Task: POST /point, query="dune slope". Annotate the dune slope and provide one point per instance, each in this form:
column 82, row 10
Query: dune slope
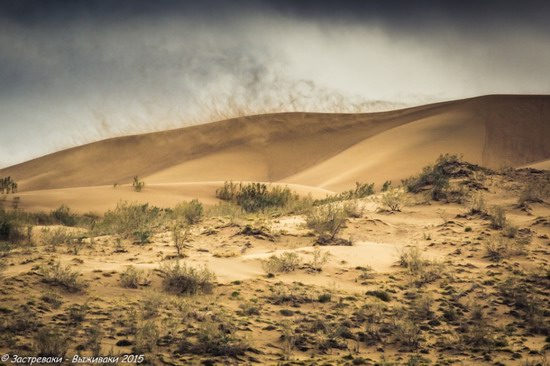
column 329, row 151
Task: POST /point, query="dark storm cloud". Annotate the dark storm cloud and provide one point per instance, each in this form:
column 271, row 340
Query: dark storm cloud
column 75, row 71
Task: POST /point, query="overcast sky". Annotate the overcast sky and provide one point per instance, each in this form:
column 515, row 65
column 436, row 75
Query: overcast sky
column 77, row 71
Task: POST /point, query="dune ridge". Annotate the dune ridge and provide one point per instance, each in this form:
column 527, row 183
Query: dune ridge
column 320, row 150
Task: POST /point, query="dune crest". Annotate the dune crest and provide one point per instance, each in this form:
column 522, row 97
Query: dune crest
column 320, row 150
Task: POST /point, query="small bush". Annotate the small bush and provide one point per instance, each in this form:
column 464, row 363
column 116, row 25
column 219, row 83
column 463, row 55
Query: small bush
column 497, row 217
column 189, row 212
column 138, row 184
column 285, row 262
column 380, row 294
column 319, row 259
column 219, row 338
column 251, row 307
column 534, row 192
column 393, row 200
column 254, row 197
column 57, row 275
column 326, row 221
column 180, row 235
column 63, row 216
column 50, row 343
column 146, row 338
column 422, row 271
column 182, row 279
column 477, row 204
column 361, row 190
column 55, row 237
column 130, row 220
column 133, row 277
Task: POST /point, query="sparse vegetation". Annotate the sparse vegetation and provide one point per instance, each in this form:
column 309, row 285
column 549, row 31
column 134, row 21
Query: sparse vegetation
column 130, row 220
column 497, row 217
column 254, row 197
column 133, row 277
column 138, row 184
column 189, row 212
column 59, row 275
column 326, row 221
column 393, row 200
column 284, row 262
column 181, row 279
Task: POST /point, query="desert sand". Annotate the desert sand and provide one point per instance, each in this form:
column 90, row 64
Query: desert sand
column 462, row 278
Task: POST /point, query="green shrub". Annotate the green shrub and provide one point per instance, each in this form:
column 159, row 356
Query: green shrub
column 138, row 184
column 62, row 216
column 534, row 192
column 497, row 217
column 180, row 235
column 218, row 338
column 57, row 275
column 477, row 204
column 146, row 338
column 189, row 212
column 326, row 221
column 182, row 279
column 133, row 277
column 50, row 343
column 421, row 271
column 380, row 294
column 254, row 197
column 285, row 262
column 361, row 190
column 435, row 177
column 393, row 200
column 130, row 220
column 55, row 237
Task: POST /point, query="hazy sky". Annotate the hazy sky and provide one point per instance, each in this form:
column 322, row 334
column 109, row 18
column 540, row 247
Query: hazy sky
column 76, row 71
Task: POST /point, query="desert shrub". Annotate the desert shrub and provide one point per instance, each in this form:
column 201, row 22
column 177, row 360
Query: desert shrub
column 7, row 186
column 533, row 192
column 319, row 259
column 218, row 337
column 294, row 293
column 138, row 184
column 180, row 235
column 510, row 231
column 407, row 333
column 352, row 208
column 189, row 212
column 146, row 337
column 421, row 307
column 477, row 204
column 361, row 190
column 15, row 227
column 254, row 197
column 228, row 191
column 326, row 221
column 386, row 186
column 62, row 216
column 497, row 217
column 133, row 277
column 179, row 278
column 436, row 177
column 421, row 270
column 393, row 200
column 285, row 262
column 50, row 343
column 55, row 237
column 58, row 275
column 52, row 298
column 77, row 313
column 380, row 294
column 250, row 307
column 130, row 220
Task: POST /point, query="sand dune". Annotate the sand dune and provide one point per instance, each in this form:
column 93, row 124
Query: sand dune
column 319, row 150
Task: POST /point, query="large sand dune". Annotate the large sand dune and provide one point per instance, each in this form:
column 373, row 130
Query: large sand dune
column 317, row 150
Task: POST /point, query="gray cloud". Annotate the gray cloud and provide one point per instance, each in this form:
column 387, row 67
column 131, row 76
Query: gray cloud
column 72, row 72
